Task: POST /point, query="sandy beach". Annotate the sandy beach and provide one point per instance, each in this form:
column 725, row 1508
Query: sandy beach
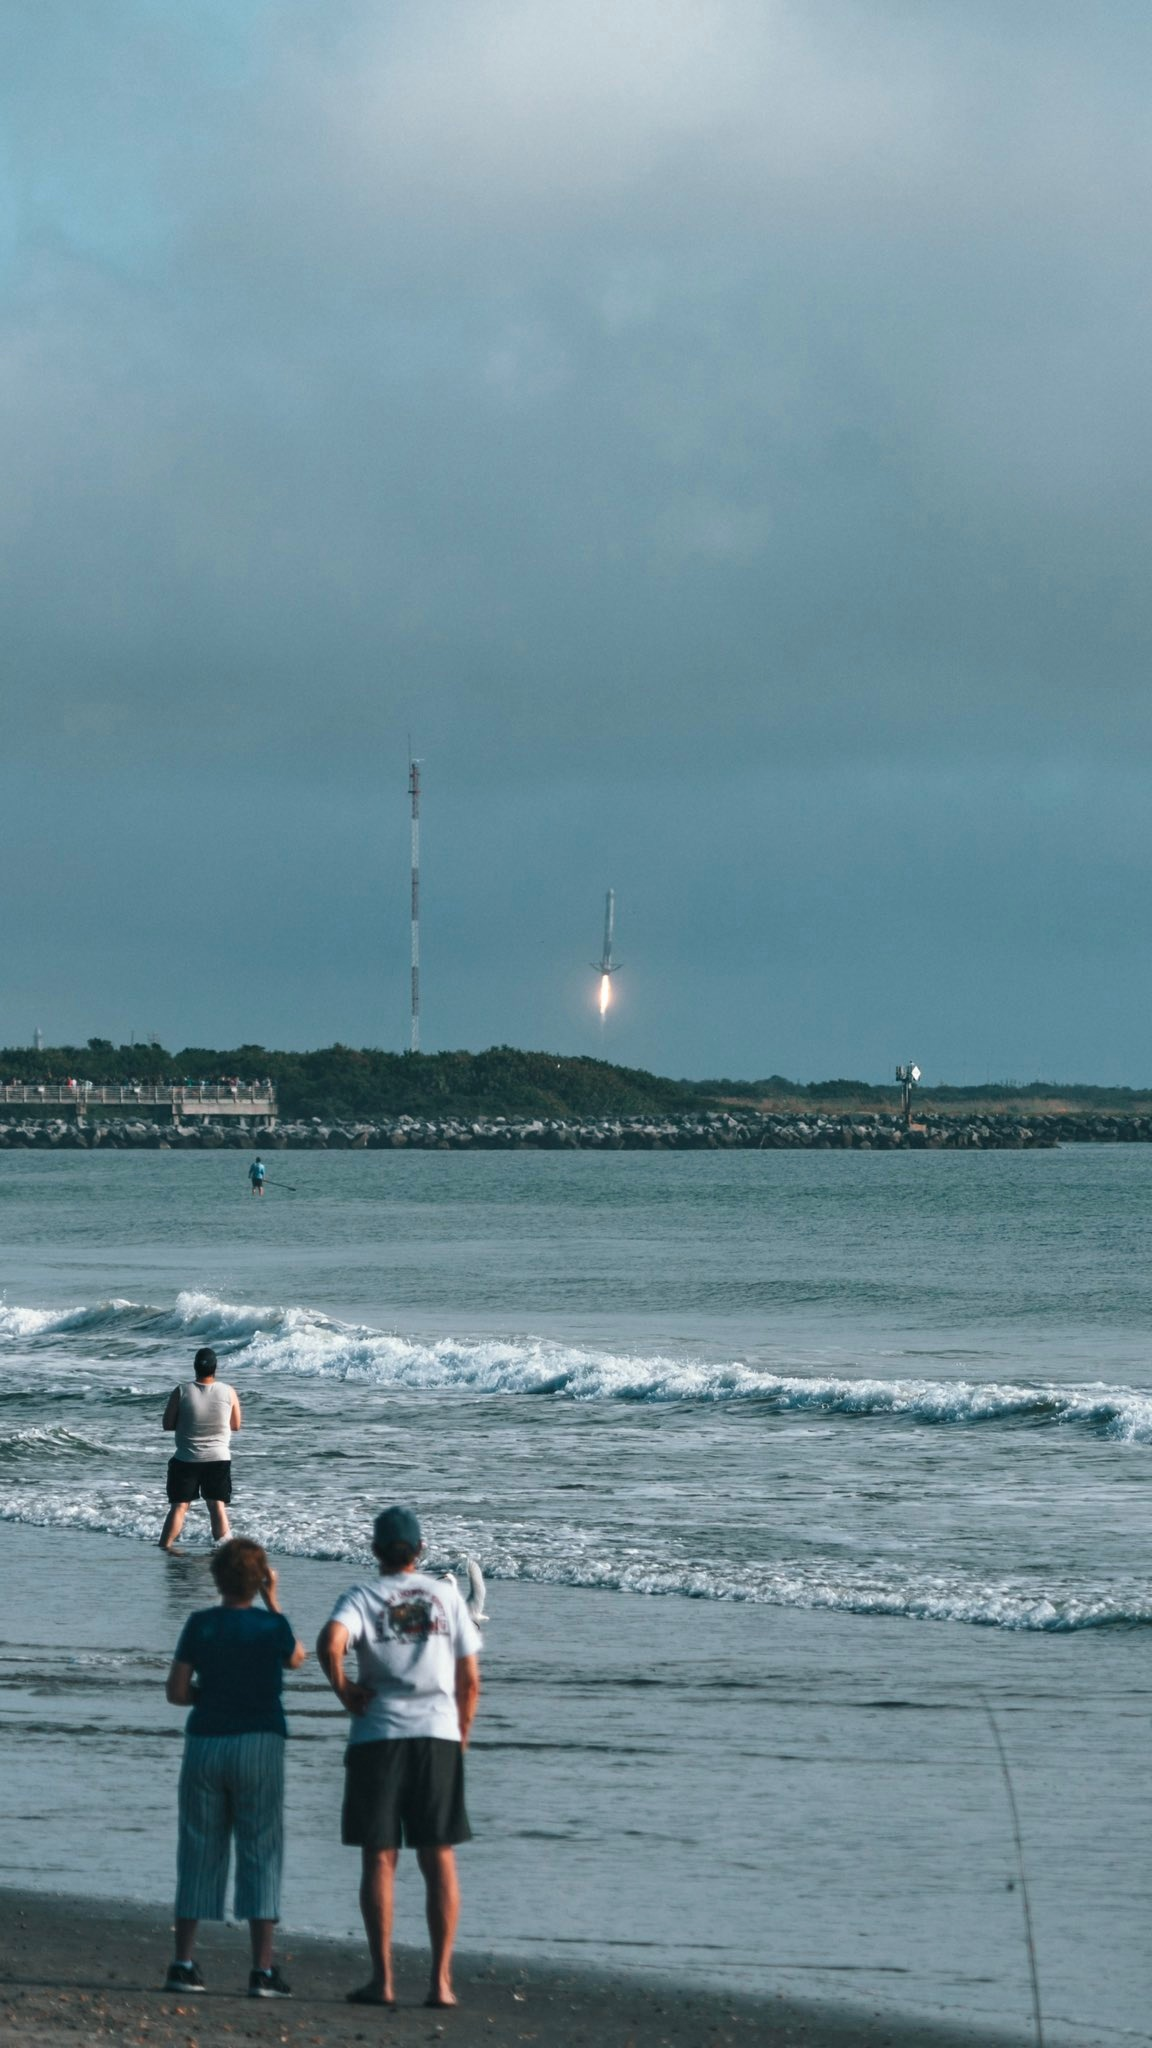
column 846, row 1854
column 73, row 1969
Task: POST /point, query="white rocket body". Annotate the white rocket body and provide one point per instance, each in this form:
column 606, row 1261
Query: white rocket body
column 606, row 964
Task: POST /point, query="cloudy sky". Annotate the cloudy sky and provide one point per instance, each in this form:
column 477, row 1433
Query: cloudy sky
column 717, row 430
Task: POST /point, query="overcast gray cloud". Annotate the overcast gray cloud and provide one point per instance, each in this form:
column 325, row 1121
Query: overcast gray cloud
column 717, row 430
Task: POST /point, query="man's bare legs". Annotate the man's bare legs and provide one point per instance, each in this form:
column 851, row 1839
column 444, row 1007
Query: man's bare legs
column 443, row 1908
column 377, row 1894
column 176, row 1517
column 173, row 1523
column 377, row 1889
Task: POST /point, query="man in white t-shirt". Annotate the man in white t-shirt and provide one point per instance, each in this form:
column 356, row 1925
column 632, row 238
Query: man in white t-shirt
column 412, row 1706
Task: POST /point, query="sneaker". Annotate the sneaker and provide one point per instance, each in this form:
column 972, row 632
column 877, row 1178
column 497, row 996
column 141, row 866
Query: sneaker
column 267, row 1984
column 183, row 1977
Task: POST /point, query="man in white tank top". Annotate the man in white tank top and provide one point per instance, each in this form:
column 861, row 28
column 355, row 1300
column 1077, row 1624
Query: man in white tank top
column 203, row 1413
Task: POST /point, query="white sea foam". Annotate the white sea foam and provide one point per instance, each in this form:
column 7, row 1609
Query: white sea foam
column 32, row 1322
column 301, row 1342
column 192, row 1315
column 534, row 1557
column 53, row 1354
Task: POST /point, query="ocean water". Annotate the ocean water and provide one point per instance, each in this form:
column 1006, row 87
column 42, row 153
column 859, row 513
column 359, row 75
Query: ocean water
column 916, row 1386
column 781, row 1466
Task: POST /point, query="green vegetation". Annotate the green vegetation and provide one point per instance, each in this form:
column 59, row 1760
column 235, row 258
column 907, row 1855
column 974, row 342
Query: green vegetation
column 778, row 1093
column 338, row 1082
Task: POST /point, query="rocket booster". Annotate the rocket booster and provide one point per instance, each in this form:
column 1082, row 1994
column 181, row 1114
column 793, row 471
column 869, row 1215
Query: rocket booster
column 606, row 964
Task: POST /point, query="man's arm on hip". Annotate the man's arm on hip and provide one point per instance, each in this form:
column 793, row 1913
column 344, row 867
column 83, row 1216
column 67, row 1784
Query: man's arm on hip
column 331, row 1650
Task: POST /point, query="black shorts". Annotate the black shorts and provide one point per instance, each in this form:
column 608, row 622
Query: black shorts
column 199, row 1482
column 404, row 1793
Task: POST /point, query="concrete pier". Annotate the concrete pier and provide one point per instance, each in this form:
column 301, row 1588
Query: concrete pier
column 88, row 1100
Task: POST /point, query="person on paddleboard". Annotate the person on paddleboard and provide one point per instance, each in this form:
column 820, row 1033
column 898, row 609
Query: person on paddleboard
column 256, row 1176
column 203, row 1413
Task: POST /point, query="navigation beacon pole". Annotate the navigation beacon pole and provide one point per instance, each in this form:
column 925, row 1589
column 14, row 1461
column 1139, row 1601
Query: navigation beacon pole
column 907, row 1075
column 414, row 793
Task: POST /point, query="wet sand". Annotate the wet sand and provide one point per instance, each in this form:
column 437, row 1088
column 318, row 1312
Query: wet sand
column 72, row 1968
column 736, row 1800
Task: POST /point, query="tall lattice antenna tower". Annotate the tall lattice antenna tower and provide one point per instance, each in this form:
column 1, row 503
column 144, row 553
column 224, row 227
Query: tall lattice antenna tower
column 414, row 793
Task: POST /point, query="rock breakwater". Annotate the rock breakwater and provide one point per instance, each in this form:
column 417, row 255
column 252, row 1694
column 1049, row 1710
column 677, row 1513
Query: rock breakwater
column 713, row 1131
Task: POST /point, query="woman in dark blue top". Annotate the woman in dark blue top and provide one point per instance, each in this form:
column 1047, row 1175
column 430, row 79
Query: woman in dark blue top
column 229, row 1667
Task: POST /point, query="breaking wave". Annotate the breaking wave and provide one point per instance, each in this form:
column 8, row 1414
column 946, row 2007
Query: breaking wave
column 55, row 1472
column 302, row 1343
column 38, row 1442
column 533, row 1557
column 192, row 1315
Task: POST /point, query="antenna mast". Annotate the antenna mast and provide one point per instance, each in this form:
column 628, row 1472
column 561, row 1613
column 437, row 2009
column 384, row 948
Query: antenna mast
column 414, row 793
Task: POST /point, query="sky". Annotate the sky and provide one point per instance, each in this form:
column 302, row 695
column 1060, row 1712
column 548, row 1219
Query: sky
column 715, row 432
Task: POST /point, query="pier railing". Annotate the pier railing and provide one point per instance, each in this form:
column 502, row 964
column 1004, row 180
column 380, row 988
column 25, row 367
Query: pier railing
column 255, row 1100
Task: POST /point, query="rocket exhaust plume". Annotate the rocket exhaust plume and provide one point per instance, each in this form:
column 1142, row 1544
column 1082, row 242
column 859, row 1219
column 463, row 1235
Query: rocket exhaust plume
column 606, row 965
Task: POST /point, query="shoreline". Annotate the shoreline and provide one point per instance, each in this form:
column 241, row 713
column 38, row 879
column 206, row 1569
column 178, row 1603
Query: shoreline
column 70, row 1964
column 843, row 1859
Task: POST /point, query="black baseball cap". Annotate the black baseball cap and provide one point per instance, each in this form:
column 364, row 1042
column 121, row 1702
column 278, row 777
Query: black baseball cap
column 396, row 1525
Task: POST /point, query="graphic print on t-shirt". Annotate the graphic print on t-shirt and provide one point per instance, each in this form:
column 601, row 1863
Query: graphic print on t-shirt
column 408, row 1631
column 411, row 1621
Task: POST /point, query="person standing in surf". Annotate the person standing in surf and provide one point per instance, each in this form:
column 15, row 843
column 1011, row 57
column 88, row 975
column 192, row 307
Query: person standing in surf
column 203, row 1413
column 256, row 1176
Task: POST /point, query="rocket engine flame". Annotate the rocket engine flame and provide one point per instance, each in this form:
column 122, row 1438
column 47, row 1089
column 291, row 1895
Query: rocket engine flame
column 606, row 964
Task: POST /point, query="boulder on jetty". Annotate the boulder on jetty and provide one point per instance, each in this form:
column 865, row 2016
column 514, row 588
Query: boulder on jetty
column 692, row 1131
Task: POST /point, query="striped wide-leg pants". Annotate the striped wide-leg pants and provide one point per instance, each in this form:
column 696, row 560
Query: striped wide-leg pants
column 230, row 1785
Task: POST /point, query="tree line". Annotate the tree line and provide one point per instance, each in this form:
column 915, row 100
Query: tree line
column 339, row 1081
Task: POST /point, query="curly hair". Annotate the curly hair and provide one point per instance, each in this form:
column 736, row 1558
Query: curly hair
column 240, row 1568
